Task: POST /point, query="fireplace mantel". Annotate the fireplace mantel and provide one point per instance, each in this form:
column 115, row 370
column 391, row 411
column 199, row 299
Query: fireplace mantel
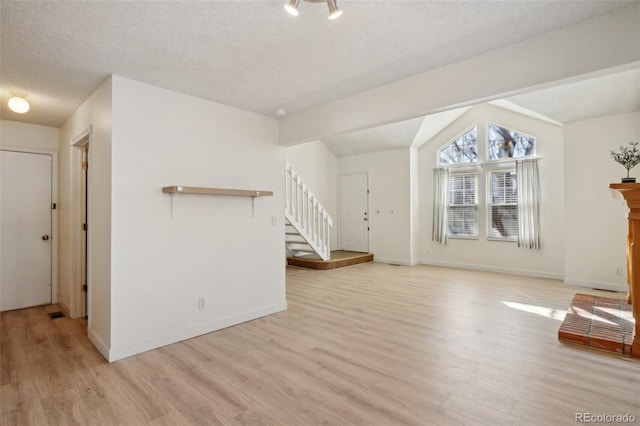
column 631, row 194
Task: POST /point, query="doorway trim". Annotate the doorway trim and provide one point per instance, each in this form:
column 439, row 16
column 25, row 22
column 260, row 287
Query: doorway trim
column 339, row 233
column 54, row 212
column 77, row 307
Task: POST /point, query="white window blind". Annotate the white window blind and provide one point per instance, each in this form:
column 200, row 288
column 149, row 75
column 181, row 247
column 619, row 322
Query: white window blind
column 463, row 205
column 502, row 201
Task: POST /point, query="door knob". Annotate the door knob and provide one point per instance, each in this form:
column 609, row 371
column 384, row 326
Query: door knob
column 45, row 237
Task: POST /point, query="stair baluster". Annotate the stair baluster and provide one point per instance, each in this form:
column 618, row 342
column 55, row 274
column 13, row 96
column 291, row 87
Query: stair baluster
column 307, row 216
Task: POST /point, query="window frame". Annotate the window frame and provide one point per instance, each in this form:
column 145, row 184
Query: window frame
column 489, row 204
column 475, row 236
column 455, row 138
column 507, row 159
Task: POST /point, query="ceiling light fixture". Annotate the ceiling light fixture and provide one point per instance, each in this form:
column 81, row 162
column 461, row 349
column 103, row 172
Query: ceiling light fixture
column 280, row 112
column 292, row 7
column 19, row 104
column 334, row 10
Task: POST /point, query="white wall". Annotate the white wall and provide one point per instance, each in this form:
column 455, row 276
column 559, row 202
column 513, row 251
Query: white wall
column 96, row 111
column 389, row 202
column 212, row 247
column 414, row 207
column 499, row 255
column 17, row 135
column 595, row 216
column 318, row 167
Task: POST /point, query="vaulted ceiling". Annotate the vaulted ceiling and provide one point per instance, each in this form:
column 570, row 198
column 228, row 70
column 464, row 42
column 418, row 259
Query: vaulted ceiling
column 610, row 94
column 251, row 54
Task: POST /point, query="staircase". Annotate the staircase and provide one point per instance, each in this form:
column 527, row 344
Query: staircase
column 308, row 226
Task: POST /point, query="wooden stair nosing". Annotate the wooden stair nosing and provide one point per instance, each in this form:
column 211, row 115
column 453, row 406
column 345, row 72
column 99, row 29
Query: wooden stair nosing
column 308, row 251
column 320, row 264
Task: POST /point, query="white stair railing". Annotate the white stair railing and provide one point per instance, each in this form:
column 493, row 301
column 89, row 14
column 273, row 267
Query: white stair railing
column 306, row 214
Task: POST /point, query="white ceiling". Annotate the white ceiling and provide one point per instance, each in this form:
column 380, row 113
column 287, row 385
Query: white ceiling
column 251, row 54
column 403, row 134
column 611, row 94
column 390, row 136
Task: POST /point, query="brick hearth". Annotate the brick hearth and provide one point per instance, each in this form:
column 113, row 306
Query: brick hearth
column 598, row 322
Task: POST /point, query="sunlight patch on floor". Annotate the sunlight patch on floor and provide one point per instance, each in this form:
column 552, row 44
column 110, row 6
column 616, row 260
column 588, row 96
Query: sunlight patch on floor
column 556, row 314
column 590, row 315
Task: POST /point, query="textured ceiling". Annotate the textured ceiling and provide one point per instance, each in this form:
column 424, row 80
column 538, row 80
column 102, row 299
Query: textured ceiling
column 251, row 54
column 611, row 94
column 390, row 136
column 403, row 134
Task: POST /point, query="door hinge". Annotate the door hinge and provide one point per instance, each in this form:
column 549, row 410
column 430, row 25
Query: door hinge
column 368, row 229
column 85, row 165
column 53, row 206
column 84, row 287
column 84, row 226
column 367, row 191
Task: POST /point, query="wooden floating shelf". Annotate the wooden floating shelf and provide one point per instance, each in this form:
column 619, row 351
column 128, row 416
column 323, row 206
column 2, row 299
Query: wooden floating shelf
column 215, row 191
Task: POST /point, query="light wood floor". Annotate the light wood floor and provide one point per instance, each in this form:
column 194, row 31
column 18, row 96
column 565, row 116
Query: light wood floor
column 371, row 344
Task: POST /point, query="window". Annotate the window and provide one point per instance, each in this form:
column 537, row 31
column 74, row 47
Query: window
column 507, row 143
column 461, row 150
column 463, row 205
column 483, row 182
column 502, row 202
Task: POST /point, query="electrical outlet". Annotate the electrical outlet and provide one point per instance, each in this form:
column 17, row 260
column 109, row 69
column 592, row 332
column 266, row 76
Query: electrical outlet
column 617, row 271
column 273, row 220
column 202, row 302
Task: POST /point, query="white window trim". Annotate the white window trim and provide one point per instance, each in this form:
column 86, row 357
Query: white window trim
column 463, row 237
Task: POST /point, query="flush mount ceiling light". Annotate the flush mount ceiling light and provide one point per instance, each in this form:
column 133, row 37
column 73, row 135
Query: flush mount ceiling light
column 19, row 104
column 334, row 11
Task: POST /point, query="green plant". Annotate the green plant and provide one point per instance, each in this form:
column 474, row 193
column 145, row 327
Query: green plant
column 628, row 156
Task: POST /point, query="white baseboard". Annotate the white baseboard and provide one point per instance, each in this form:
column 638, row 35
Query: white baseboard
column 489, row 268
column 123, row 352
column 64, row 305
column 598, row 285
column 99, row 344
column 395, row 261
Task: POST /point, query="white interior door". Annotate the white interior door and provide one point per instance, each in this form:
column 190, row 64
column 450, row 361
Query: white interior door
column 25, row 230
column 354, row 212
